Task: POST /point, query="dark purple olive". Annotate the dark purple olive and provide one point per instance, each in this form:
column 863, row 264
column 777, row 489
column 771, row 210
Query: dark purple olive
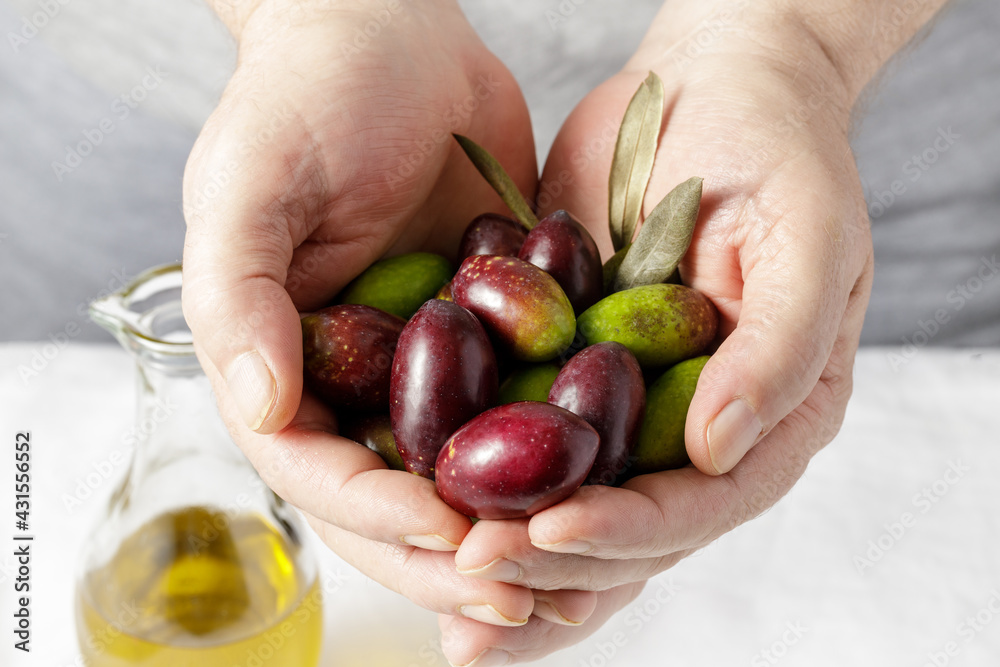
column 347, row 352
column 563, row 248
column 522, row 306
column 492, row 234
column 603, row 384
column 515, row 460
column 444, row 374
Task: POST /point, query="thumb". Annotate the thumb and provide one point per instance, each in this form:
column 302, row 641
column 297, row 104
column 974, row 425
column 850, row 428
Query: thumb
column 243, row 321
column 793, row 306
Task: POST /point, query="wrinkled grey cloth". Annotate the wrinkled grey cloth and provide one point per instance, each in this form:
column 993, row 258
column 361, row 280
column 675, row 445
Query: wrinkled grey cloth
column 136, row 78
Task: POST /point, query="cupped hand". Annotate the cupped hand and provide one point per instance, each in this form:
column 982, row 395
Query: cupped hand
column 782, row 248
column 327, row 151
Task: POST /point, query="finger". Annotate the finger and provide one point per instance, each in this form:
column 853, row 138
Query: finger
column 429, row 579
column 678, row 510
column 502, row 551
column 651, row 517
column 564, row 607
column 472, row 644
column 798, row 276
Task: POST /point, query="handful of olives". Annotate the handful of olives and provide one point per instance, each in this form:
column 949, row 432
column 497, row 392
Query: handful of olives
column 523, row 374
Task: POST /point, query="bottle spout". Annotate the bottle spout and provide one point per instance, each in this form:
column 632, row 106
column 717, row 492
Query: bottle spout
column 113, row 315
column 145, row 315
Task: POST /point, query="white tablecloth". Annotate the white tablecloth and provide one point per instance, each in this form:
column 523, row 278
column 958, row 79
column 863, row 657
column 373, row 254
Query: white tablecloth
column 830, row 576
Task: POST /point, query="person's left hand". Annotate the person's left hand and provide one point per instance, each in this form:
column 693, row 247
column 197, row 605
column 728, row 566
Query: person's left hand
column 783, row 249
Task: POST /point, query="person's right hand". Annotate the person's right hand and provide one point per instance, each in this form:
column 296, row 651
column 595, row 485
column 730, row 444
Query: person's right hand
column 328, row 150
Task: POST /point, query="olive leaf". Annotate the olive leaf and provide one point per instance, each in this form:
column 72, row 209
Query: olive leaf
column 635, row 150
column 614, row 263
column 663, row 239
column 498, row 179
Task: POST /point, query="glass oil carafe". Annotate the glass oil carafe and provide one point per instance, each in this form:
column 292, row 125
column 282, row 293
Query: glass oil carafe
column 195, row 562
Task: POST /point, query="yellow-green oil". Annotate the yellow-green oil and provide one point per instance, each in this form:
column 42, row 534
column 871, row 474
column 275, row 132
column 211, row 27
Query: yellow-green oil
column 199, row 588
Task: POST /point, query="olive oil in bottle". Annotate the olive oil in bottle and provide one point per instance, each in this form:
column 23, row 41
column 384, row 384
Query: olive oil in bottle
column 181, row 591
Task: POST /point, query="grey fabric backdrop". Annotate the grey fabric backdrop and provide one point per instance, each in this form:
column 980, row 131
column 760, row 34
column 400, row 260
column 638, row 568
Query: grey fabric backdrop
column 66, row 237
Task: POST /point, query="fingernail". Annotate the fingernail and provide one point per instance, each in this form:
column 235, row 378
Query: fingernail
column 731, row 435
column 549, row 612
column 429, row 542
column 567, row 547
column 500, row 569
column 253, row 388
column 491, row 657
column 486, row 613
